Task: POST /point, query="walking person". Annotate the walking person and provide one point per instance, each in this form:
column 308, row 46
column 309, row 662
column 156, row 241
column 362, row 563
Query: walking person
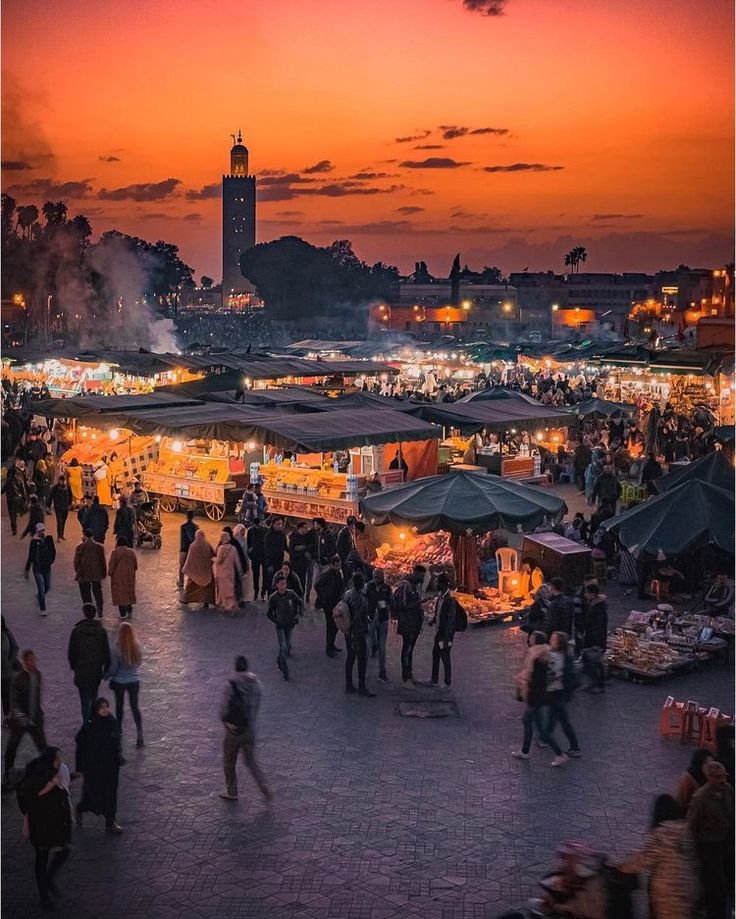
column 561, row 682
column 239, row 714
column 711, row 820
column 89, row 657
column 16, row 493
column 692, row 779
column 356, row 637
column 199, row 586
column 445, row 611
column 329, row 588
column 74, row 477
column 240, row 541
column 124, row 526
column 300, row 556
column 409, row 618
column 531, row 684
column 98, row 759
column 41, row 556
column 255, row 540
column 44, row 801
column 26, row 713
column 596, row 636
column 274, row 549
column 123, row 676
column 284, row 609
column 187, row 532
column 226, row 569
column 293, row 582
column 36, row 515
column 60, row 498
column 97, row 520
column 380, row 600
column 122, row 567
column 10, row 664
column 90, row 569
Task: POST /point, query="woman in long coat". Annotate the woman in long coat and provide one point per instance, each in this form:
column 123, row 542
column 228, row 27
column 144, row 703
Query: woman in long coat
column 226, row 568
column 98, row 758
column 200, row 582
column 74, row 477
column 122, row 567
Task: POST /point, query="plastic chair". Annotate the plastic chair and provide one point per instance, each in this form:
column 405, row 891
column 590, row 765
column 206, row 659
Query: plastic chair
column 693, row 723
column 671, row 718
column 507, row 559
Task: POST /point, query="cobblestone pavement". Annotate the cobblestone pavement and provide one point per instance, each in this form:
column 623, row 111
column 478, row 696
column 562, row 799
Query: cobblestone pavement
column 376, row 816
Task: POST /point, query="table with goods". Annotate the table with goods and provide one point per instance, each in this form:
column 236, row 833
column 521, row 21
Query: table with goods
column 298, row 490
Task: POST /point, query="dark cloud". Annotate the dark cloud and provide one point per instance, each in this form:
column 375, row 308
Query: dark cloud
column 411, row 138
column 499, row 131
column 320, row 167
column 24, row 134
column 155, row 215
column 434, row 162
column 486, row 7
column 409, row 209
column 192, row 217
column 15, row 165
column 617, row 216
column 430, row 147
column 338, row 189
column 287, row 189
column 279, row 177
column 375, row 228
column 143, row 191
column 289, row 213
column 367, row 175
column 204, row 193
column 523, row 167
column 421, row 191
column 49, row 188
column 452, row 131
column 109, row 159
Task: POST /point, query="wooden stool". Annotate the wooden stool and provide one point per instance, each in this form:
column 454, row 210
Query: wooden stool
column 670, row 718
column 693, row 723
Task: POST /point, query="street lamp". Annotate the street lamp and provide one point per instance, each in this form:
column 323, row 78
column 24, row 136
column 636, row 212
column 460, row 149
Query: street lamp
column 553, row 309
column 577, row 319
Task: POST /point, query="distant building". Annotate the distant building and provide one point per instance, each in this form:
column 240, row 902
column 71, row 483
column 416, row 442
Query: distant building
column 238, row 224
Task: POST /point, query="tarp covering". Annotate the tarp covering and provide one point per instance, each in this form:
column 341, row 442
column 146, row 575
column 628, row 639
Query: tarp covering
column 601, row 407
column 461, row 501
column 498, row 392
column 494, row 415
column 714, row 468
column 691, row 516
column 82, row 406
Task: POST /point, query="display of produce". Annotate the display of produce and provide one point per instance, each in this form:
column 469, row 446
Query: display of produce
column 432, row 550
column 180, row 465
column 489, row 605
column 641, row 657
column 325, row 483
column 93, row 444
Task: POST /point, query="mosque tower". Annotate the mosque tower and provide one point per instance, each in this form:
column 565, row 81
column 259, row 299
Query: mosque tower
column 238, row 220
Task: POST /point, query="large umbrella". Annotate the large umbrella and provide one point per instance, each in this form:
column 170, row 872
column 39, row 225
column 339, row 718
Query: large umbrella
column 690, row 516
column 602, row 408
column 460, row 501
column 714, row 468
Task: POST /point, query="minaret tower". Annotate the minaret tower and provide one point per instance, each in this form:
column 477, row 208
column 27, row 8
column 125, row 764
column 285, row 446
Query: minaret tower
column 238, row 219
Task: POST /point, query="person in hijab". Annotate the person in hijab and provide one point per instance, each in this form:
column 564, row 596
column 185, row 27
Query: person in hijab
column 43, row 798
column 98, row 758
column 199, row 586
column 74, row 477
column 240, row 544
column 226, row 567
column 692, row 778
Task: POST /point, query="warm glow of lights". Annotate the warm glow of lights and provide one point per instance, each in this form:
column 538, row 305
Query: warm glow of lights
column 402, row 536
column 157, row 438
column 555, row 307
column 114, row 434
column 176, row 446
column 507, row 307
column 540, row 437
column 251, row 446
column 466, row 304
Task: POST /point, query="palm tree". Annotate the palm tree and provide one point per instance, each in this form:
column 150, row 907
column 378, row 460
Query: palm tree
column 582, row 255
column 54, row 213
column 27, row 216
column 570, row 259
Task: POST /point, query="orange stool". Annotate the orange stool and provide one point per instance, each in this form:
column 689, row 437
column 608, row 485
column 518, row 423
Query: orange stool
column 693, row 723
column 670, row 718
column 714, row 719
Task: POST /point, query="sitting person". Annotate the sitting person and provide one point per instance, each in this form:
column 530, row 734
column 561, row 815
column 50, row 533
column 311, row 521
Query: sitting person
column 577, row 529
column 667, row 575
column 718, row 600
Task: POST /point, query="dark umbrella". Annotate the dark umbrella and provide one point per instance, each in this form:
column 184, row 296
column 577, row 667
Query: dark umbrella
column 460, row 501
column 690, row 516
column 714, row 468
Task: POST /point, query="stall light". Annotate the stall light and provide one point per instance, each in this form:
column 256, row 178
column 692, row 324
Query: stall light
column 84, row 434
column 402, row 536
column 555, row 439
column 157, row 438
column 176, row 446
column 466, row 304
column 246, row 381
column 513, row 430
column 540, row 437
column 514, row 582
column 251, row 446
column 94, row 437
column 114, row 434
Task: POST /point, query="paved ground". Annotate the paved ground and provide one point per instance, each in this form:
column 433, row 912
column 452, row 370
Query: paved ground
column 376, row 816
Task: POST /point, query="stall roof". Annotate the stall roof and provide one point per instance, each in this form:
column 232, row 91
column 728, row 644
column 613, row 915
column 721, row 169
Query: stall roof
column 81, row 406
column 498, row 392
column 494, row 415
column 602, row 407
column 714, row 468
column 308, row 433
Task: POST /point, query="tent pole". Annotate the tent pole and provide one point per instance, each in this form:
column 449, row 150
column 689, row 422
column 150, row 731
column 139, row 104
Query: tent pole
column 401, row 458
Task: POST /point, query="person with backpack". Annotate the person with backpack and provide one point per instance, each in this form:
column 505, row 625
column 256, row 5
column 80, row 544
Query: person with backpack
column 445, row 610
column 329, row 588
column 239, row 714
column 26, row 713
column 284, row 609
column 41, row 556
column 10, row 664
column 89, row 657
column 409, row 617
column 355, row 637
column 43, row 799
column 561, row 683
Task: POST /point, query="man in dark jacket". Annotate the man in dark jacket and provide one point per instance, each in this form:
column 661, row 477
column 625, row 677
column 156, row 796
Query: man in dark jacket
column 90, row 570
column 274, row 548
column 356, row 637
column 324, row 543
column 607, row 488
column 300, row 553
column 36, row 515
column 284, row 609
column 255, row 540
column 41, row 556
column 558, row 617
column 60, row 498
column 89, row 658
column 97, row 520
column 124, row 527
column 346, row 540
column 186, row 538
column 596, row 636
column 380, row 600
column 444, row 617
column 16, row 493
column 26, row 713
column 410, row 617
column 581, row 461
column 329, row 587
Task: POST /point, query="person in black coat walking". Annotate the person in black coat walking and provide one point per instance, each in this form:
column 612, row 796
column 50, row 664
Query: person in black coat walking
column 16, row 493
column 41, row 556
column 329, row 587
column 284, row 609
column 445, row 611
column 98, row 758
column 254, row 540
column 559, row 614
column 97, row 520
column 596, row 637
column 410, row 617
column 89, row 657
column 60, row 498
column 300, row 554
column 124, row 527
column 26, row 713
column 356, row 637
column 36, row 515
column 274, row 549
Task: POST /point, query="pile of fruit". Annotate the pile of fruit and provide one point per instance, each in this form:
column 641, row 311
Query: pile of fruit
column 433, row 551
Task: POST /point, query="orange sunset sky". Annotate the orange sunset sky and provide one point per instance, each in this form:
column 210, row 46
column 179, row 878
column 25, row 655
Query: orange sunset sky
column 606, row 123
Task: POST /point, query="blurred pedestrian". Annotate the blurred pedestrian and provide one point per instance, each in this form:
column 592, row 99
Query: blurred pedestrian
column 445, row 611
column 284, row 609
column 380, row 600
column 97, row 520
column 90, row 569
column 226, row 568
column 16, row 491
column 89, row 657
column 60, row 498
column 531, row 685
column 409, row 617
column 10, row 664
column 711, row 820
column 123, row 676
column 26, row 712
column 274, row 549
column 240, row 544
column 36, row 515
column 692, row 778
column 356, row 637
column 199, row 586
column 255, row 539
column 186, row 537
column 41, row 556
column 122, row 567
column 329, row 588
column 98, row 758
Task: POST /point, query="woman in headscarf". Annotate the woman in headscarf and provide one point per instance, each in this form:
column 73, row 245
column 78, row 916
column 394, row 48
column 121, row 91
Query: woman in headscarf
column 240, row 541
column 102, row 482
column 692, row 778
column 200, row 584
column 226, row 567
column 98, row 758
column 74, row 478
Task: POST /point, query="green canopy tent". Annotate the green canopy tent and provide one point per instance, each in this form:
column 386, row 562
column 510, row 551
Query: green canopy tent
column 715, row 468
column 601, row 408
column 690, row 516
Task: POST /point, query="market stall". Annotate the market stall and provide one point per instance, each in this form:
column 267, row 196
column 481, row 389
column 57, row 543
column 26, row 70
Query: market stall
column 714, row 468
